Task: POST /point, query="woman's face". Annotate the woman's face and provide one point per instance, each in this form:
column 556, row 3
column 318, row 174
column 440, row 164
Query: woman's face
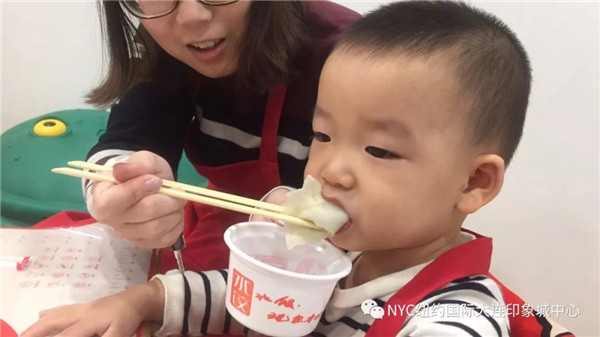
column 204, row 37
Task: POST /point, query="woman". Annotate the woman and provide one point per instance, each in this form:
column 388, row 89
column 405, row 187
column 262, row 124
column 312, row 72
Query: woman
column 231, row 82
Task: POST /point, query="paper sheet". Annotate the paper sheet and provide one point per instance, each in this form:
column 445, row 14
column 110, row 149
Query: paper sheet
column 68, row 265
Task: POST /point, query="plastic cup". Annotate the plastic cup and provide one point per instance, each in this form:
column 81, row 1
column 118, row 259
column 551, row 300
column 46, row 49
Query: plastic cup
column 276, row 291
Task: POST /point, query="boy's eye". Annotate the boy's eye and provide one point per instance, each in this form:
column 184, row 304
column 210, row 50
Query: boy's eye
column 381, row 153
column 321, row 137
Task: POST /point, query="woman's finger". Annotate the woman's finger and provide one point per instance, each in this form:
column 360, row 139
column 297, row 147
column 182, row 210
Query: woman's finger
column 151, row 230
column 112, row 199
column 48, row 325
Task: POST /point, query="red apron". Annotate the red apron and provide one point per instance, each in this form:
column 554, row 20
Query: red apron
column 469, row 259
column 205, row 225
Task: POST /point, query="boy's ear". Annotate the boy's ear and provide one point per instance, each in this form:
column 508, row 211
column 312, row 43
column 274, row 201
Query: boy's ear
column 485, row 182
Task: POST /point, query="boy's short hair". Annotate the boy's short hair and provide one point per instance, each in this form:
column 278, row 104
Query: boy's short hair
column 491, row 64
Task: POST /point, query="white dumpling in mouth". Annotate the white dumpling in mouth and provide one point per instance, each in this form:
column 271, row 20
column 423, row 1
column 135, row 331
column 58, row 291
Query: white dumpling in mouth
column 307, row 203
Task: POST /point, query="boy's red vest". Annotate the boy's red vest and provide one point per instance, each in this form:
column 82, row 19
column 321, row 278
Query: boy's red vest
column 469, row 259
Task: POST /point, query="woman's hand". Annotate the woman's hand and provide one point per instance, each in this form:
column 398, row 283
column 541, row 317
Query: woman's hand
column 118, row 315
column 133, row 208
column 278, row 196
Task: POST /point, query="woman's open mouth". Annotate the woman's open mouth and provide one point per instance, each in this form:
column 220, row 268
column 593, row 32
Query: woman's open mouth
column 207, row 50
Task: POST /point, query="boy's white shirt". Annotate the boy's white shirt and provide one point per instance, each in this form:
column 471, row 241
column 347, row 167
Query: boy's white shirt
column 342, row 303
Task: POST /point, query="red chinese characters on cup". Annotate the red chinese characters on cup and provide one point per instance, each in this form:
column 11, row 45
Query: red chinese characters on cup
column 241, row 292
column 282, row 318
column 289, row 303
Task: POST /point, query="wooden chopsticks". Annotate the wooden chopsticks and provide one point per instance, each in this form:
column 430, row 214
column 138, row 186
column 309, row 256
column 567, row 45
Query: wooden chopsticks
column 194, row 193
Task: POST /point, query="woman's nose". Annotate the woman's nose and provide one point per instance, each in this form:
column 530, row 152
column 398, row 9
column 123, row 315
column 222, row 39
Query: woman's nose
column 192, row 11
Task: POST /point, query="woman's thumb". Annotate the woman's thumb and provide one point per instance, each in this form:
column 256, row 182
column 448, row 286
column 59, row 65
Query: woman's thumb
column 125, row 171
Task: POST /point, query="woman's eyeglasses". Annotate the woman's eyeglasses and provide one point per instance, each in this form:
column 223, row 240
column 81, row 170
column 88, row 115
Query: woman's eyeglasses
column 151, row 9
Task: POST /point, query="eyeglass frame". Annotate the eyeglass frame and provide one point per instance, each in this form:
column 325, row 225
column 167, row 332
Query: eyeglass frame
column 175, row 4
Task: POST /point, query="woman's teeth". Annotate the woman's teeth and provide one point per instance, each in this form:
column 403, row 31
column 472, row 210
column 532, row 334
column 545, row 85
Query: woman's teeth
column 206, row 45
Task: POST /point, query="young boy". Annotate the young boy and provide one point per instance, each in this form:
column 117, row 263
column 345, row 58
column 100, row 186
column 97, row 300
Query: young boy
column 419, row 111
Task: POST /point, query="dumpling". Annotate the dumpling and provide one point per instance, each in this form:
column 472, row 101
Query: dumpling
column 307, row 203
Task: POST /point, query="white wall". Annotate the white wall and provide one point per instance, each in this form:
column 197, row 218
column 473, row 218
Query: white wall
column 545, row 222
column 51, row 57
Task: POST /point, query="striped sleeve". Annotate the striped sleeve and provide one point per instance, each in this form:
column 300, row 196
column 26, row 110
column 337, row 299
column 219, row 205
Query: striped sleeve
column 106, row 158
column 195, row 304
column 471, row 306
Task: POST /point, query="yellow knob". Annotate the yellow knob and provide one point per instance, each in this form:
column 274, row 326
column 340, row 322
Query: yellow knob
column 49, row 127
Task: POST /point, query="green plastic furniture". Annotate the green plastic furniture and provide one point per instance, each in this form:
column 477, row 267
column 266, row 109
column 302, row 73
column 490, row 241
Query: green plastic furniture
column 29, row 192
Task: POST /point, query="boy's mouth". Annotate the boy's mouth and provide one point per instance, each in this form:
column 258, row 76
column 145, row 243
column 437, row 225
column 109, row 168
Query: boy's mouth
column 344, row 227
column 338, row 204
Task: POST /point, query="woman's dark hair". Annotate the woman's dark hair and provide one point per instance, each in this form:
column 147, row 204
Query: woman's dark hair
column 273, row 42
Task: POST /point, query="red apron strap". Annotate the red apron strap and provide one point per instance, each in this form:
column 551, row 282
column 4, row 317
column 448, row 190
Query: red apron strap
column 471, row 258
column 268, row 143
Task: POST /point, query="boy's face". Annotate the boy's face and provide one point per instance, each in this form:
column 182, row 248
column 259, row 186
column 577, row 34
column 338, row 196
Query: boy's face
column 389, row 149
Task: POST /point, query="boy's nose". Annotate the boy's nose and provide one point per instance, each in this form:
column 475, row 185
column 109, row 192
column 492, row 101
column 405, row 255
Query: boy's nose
column 337, row 172
column 191, row 11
